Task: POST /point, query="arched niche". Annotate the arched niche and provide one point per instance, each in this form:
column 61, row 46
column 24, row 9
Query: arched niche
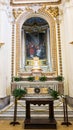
column 53, row 47
column 35, row 42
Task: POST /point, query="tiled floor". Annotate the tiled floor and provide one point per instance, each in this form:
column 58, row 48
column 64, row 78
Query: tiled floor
column 5, row 125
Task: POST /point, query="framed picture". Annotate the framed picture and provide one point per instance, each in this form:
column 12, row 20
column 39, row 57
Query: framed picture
column 35, row 44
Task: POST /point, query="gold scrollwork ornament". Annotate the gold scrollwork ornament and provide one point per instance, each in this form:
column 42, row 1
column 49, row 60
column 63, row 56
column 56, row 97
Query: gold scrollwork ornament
column 17, row 12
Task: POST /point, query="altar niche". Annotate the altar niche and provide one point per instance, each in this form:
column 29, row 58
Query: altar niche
column 36, row 42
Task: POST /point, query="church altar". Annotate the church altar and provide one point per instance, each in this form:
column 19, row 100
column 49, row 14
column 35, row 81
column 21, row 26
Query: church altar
column 32, row 87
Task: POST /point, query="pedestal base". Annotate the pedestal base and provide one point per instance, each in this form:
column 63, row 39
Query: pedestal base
column 40, row 123
column 66, row 123
column 14, row 123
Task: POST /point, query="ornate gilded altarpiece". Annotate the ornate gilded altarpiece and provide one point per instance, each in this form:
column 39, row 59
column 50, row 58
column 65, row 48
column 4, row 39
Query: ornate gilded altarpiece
column 50, row 14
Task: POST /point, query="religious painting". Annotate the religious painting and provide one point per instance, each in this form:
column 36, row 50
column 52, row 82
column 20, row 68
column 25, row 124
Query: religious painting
column 35, row 45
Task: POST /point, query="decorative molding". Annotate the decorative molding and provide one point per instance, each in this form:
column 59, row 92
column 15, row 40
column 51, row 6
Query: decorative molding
column 53, row 11
column 59, row 49
column 28, row 9
column 1, row 44
column 25, row 2
column 13, row 51
column 17, row 12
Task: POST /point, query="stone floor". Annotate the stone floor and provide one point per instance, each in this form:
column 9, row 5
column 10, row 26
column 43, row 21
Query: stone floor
column 5, row 125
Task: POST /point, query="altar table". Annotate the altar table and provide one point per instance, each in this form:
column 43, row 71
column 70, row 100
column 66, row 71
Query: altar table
column 46, row 123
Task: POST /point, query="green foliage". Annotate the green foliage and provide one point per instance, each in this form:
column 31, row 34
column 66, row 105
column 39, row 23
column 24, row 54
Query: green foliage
column 18, row 92
column 17, row 79
column 43, row 78
column 53, row 93
column 59, row 78
column 31, row 78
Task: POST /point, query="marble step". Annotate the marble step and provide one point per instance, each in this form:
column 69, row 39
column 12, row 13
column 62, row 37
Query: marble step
column 38, row 111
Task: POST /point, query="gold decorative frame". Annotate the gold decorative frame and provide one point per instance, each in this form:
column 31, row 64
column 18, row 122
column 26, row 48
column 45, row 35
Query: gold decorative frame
column 50, row 19
column 59, row 49
column 24, row 2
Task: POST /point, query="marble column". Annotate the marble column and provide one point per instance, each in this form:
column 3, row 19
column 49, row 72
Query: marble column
column 48, row 50
column 2, row 41
column 68, row 50
column 3, row 53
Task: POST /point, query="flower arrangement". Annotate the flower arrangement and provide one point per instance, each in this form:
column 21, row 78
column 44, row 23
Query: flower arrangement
column 43, row 78
column 59, row 78
column 16, row 78
column 31, row 78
